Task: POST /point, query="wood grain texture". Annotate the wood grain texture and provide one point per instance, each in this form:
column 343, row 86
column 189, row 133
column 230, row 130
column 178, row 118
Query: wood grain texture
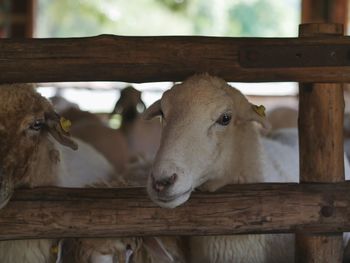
column 321, row 115
column 256, row 208
column 144, row 59
column 331, row 248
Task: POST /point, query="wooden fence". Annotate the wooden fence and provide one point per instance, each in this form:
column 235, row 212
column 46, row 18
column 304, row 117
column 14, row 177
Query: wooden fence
column 318, row 209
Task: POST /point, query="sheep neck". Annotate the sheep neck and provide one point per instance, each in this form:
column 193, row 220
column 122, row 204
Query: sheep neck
column 246, row 164
column 242, row 161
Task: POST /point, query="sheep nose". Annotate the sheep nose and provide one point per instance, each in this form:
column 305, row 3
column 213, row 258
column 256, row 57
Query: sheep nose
column 163, row 184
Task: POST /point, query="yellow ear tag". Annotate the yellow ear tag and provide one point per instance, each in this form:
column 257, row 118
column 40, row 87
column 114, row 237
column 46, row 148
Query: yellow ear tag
column 260, row 110
column 65, row 124
column 54, row 249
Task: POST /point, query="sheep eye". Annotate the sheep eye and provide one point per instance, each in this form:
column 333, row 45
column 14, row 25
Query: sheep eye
column 224, row 119
column 37, row 125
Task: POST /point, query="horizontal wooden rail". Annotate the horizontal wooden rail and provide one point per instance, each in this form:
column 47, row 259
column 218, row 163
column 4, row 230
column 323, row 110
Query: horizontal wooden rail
column 256, row 208
column 145, row 59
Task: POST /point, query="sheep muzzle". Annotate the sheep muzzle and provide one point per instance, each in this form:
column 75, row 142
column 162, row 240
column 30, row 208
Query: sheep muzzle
column 6, row 188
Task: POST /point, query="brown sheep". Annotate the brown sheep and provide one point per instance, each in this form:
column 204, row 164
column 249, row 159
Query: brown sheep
column 283, row 117
column 143, row 137
column 129, row 106
column 31, row 155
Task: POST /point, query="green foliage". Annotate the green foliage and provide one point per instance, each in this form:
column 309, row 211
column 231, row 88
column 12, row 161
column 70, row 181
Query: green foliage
column 175, row 5
column 261, row 18
column 67, row 18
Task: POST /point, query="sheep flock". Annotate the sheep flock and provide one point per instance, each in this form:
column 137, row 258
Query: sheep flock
column 203, row 114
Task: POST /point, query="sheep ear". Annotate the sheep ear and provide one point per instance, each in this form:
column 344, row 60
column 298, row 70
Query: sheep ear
column 152, row 111
column 247, row 111
column 58, row 127
column 157, row 250
column 118, row 107
column 257, row 113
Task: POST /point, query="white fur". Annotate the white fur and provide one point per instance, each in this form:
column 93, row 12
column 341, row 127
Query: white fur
column 98, row 258
column 82, row 167
column 26, row 251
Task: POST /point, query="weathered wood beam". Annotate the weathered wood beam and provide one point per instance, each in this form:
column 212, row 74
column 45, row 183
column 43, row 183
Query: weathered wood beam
column 144, row 59
column 255, row 208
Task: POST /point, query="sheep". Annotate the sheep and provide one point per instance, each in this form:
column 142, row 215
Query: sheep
column 209, row 140
column 61, row 104
column 283, row 117
column 138, row 250
column 109, row 142
column 142, row 137
column 34, row 153
column 129, row 105
column 34, row 141
column 124, row 250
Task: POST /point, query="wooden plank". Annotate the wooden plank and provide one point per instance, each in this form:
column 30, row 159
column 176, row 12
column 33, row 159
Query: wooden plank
column 255, row 208
column 321, row 115
column 145, row 59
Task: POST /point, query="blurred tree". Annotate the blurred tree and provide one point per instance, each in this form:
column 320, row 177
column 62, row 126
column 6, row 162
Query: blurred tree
column 257, row 18
column 175, row 5
column 61, row 18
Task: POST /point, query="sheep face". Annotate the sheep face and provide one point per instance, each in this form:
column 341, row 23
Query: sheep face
column 200, row 117
column 129, row 103
column 26, row 119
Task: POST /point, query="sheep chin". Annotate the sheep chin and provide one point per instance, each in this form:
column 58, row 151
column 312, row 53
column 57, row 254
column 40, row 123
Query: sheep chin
column 173, row 203
column 6, row 189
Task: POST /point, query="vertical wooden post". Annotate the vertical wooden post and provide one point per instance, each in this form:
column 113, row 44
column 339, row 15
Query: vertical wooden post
column 321, row 112
column 325, row 11
column 22, row 18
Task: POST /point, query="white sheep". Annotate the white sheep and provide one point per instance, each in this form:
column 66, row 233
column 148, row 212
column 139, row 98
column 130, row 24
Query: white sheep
column 209, row 140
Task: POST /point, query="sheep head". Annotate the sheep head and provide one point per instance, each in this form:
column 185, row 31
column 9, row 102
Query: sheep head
column 200, row 118
column 129, row 104
column 26, row 153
